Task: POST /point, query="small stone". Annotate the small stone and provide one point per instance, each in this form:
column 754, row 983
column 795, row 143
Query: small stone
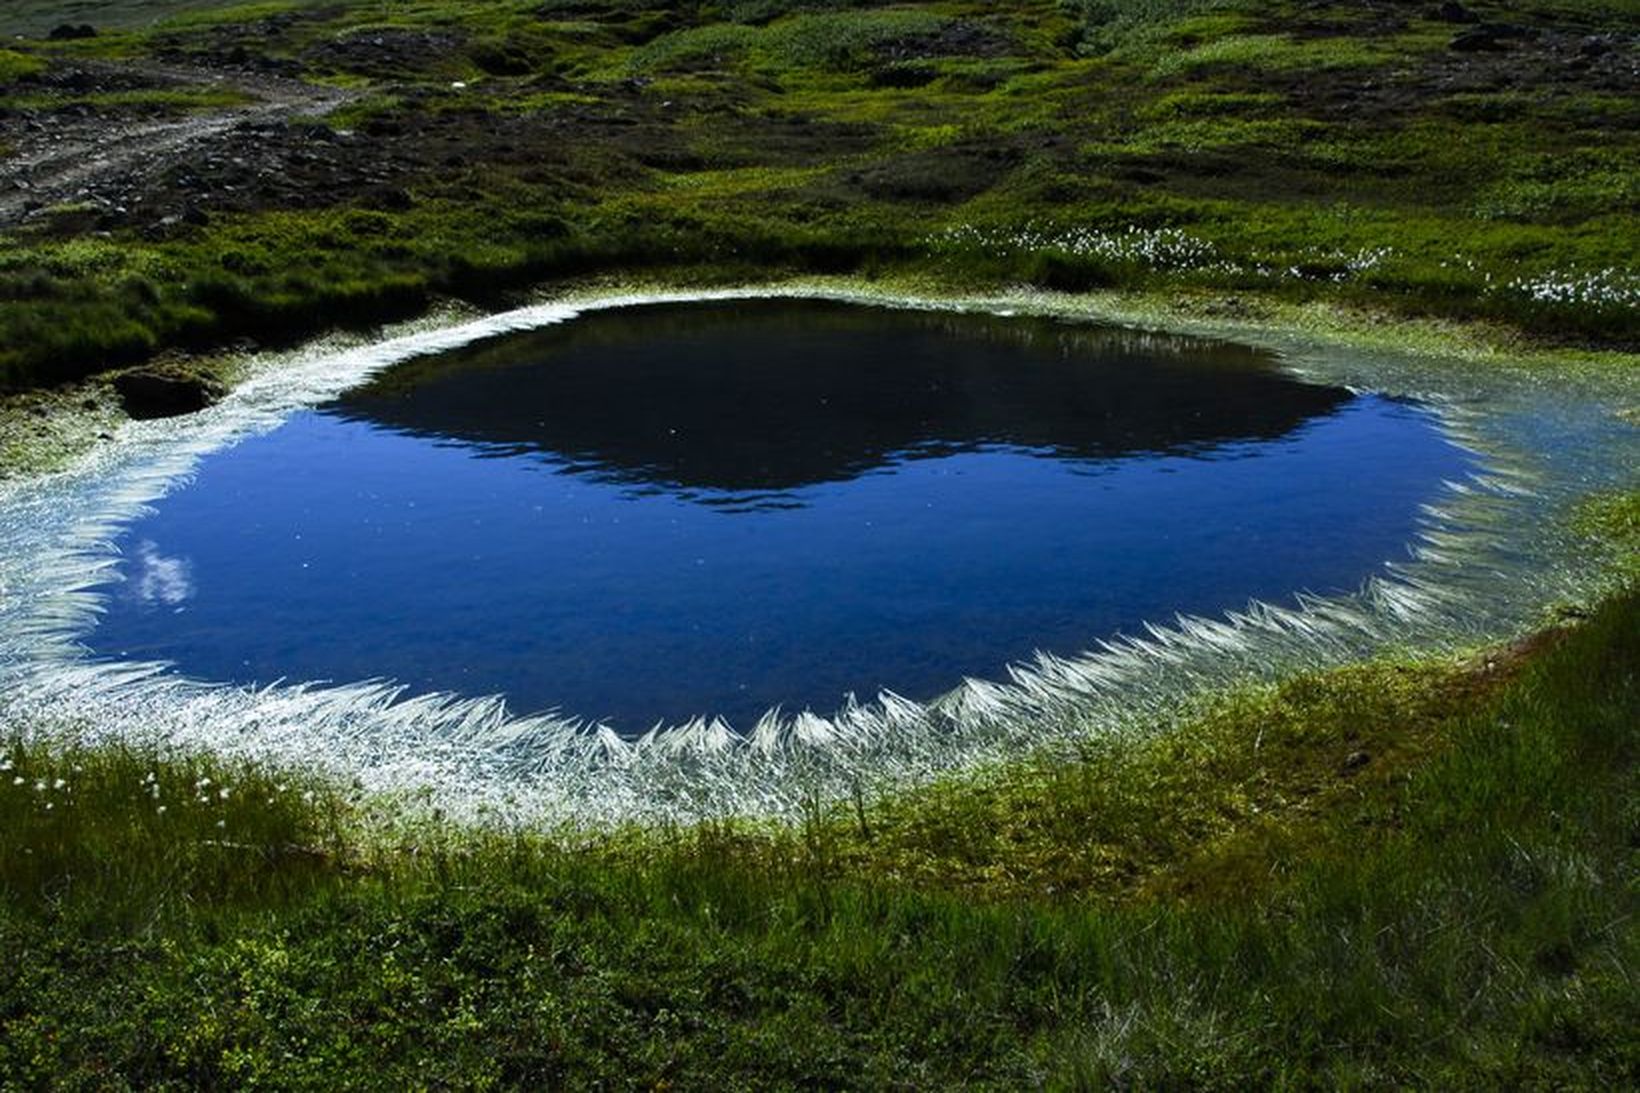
column 1355, row 760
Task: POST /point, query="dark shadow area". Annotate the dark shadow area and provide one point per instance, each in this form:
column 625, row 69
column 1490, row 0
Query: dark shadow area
column 773, row 395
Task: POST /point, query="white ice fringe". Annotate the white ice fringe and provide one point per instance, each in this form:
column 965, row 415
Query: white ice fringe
column 1485, row 562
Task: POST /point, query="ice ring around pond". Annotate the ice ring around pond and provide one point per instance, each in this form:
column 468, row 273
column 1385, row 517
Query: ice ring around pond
column 716, row 509
column 694, row 513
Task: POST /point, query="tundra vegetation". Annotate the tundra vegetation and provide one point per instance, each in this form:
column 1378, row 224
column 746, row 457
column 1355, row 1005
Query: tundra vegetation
column 1401, row 873
column 1355, row 154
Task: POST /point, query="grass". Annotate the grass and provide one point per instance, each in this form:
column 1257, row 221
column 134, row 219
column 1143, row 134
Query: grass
column 14, row 65
column 1273, row 53
column 824, row 138
column 1395, row 874
column 1385, row 876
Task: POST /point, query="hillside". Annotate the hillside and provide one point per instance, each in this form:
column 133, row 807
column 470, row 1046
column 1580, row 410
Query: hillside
column 270, row 171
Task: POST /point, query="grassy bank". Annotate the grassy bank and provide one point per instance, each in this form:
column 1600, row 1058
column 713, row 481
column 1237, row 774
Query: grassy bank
column 1287, row 153
column 1392, row 874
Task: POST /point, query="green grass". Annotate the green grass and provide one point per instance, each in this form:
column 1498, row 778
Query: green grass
column 151, row 100
column 1274, row 53
column 1391, row 875
column 1613, row 520
column 1398, row 874
column 14, row 65
column 769, row 139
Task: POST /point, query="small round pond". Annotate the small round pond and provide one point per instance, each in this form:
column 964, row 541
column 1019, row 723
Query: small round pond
column 652, row 513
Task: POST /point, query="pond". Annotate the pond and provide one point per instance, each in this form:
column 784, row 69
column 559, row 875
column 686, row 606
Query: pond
column 652, row 513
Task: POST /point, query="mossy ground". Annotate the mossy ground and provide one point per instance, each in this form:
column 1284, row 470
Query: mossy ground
column 1395, row 874
column 1389, row 875
column 1332, row 152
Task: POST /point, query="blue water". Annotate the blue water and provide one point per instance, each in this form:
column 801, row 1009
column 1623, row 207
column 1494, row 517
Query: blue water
column 654, row 513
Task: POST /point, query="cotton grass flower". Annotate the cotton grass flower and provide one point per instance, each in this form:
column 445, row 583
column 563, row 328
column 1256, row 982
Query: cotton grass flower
column 1607, row 287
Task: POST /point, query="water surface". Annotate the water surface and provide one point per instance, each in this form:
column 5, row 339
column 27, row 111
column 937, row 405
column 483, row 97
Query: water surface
column 653, row 513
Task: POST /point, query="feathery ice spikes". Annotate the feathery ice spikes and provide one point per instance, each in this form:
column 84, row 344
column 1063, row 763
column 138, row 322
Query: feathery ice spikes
column 1487, row 560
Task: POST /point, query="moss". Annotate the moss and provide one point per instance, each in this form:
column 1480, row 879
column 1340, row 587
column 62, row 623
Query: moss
column 1448, row 840
column 150, row 100
column 14, row 66
column 1612, row 521
column 624, row 128
column 1267, row 52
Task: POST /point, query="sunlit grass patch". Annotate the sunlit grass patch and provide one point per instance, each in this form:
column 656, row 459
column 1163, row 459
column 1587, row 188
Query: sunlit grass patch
column 1279, row 53
column 123, row 831
column 742, row 180
column 1194, row 135
column 15, row 65
column 1612, row 520
column 1110, row 820
column 169, row 100
column 1210, row 104
column 1139, row 26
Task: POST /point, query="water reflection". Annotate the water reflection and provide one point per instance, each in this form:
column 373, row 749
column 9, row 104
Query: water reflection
column 917, row 497
column 741, row 404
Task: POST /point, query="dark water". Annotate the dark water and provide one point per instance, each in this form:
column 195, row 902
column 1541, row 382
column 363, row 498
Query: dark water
column 715, row 508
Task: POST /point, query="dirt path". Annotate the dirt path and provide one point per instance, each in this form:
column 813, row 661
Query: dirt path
column 66, row 156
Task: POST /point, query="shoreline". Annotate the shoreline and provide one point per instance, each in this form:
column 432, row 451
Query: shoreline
column 974, row 725
column 44, row 429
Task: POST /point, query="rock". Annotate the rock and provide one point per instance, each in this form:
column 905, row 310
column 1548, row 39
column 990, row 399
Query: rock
column 1491, row 38
column 1355, row 760
column 1453, row 12
column 70, row 32
column 1476, row 41
column 390, row 198
column 152, row 392
column 904, row 75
